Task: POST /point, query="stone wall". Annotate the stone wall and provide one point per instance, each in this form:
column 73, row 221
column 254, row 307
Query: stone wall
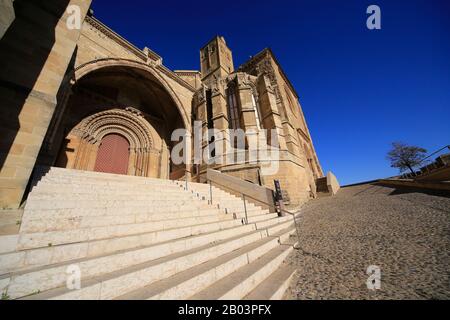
column 41, row 73
column 32, row 71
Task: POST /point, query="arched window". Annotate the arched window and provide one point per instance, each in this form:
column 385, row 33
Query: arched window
column 233, row 109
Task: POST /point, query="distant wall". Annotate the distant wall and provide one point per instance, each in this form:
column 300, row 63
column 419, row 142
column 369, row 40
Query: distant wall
column 332, row 183
column 328, row 184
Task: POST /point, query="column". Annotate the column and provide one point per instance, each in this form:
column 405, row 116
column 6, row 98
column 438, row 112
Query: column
column 29, row 85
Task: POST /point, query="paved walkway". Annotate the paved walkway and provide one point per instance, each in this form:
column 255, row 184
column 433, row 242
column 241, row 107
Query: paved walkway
column 406, row 234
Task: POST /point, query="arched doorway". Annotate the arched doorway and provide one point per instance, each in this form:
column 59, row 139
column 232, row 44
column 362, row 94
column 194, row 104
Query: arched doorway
column 119, row 141
column 119, row 97
column 113, row 155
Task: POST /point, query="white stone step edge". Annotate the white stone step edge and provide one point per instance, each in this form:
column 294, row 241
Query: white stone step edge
column 38, row 194
column 70, row 213
column 275, row 286
column 44, row 239
column 32, row 224
column 189, row 282
column 55, row 171
column 71, row 185
column 99, row 175
column 92, row 185
column 102, row 282
column 245, row 287
column 237, row 285
column 21, row 261
column 224, row 199
column 78, row 204
column 39, row 225
column 105, row 182
column 77, row 217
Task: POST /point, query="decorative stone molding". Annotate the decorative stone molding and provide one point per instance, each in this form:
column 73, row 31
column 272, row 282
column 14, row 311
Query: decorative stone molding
column 146, row 56
column 104, row 32
column 129, row 122
column 217, row 86
column 201, row 95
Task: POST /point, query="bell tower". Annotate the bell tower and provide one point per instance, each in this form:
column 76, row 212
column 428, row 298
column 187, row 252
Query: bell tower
column 216, row 59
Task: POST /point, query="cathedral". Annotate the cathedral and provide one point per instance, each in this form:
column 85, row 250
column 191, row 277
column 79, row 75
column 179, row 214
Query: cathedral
column 90, row 100
column 119, row 170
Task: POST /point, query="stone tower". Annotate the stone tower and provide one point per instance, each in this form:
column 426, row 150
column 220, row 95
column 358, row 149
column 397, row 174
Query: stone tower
column 216, row 59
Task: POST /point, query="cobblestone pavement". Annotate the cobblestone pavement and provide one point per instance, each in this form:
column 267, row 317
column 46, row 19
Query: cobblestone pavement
column 406, row 234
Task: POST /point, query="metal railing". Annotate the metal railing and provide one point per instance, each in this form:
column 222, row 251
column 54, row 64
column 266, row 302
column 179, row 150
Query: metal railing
column 423, row 162
column 245, row 196
column 434, row 153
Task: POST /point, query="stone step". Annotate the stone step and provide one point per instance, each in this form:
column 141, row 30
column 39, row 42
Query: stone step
column 161, row 222
column 108, row 280
column 89, row 183
column 186, row 283
column 162, row 205
column 101, row 182
column 41, row 200
column 101, row 175
column 28, row 259
column 240, row 283
column 55, row 171
column 150, row 229
column 146, row 213
column 108, row 196
column 44, row 192
column 106, row 179
column 139, row 237
column 224, row 199
column 275, row 286
column 87, row 186
column 237, row 206
column 142, row 213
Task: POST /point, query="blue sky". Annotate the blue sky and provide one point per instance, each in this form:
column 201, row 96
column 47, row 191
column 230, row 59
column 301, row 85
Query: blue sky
column 360, row 90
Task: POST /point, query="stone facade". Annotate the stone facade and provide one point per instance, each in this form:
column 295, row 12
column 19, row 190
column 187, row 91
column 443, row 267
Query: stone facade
column 82, row 85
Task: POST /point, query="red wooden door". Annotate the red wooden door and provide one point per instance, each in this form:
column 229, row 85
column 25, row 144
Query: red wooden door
column 113, row 155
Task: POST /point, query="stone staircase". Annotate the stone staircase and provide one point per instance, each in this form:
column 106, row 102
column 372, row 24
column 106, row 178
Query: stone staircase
column 140, row 238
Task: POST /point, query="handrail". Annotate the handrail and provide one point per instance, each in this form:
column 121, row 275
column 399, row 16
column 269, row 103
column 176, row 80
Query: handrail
column 265, row 203
column 436, row 152
column 422, row 162
column 235, row 185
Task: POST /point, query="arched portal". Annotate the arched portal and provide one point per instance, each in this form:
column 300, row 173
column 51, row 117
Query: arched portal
column 114, row 96
column 116, row 141
column 113, row 155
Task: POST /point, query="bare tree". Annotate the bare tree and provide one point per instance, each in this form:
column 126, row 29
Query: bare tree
column 405, row 157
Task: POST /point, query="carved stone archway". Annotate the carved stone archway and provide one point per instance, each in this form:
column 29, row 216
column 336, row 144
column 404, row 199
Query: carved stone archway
column 92, row 66
column 146, row 152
